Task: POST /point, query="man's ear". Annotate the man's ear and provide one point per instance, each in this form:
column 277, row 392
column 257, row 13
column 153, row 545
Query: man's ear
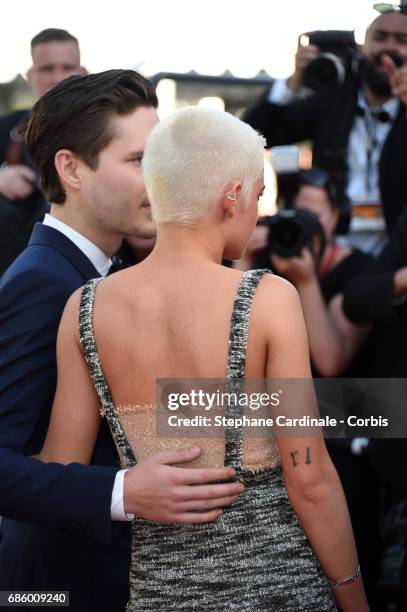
column 83, row 71
column 29, row 73
column 68, row 168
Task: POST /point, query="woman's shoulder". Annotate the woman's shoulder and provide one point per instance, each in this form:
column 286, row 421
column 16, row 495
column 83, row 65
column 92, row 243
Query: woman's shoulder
column 276, row 295
column 268, row 285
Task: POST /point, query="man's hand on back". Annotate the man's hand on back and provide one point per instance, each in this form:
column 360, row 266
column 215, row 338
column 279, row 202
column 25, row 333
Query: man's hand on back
column 157, row 491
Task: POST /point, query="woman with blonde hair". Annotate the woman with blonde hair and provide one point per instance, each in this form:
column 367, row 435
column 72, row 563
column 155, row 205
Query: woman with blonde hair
column 286, row 542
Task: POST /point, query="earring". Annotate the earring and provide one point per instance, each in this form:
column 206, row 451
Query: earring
column 231, row 196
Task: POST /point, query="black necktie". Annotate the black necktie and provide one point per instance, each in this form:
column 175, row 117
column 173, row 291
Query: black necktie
column 381, row 115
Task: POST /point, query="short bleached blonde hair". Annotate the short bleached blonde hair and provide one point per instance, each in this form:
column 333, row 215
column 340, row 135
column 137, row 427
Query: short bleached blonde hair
column 191, row 157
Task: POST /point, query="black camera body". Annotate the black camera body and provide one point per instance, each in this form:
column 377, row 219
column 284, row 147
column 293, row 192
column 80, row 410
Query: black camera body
column 292, row 229
column 338, row 61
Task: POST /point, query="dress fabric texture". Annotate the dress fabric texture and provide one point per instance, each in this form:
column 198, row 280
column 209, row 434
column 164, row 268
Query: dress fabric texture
column 256, row 556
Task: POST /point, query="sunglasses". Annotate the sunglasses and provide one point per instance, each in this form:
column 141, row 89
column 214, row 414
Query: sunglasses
column 386, row 7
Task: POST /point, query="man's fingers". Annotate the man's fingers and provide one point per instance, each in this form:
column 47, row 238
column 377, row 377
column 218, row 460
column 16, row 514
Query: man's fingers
column 182, row 455
column 208, row 504
column 203, row 475
column 16, row 182
column 310, row 52
column 23, row 189
column 389, row 65
column 209, row 491
column 19, row 189
column 25, row 172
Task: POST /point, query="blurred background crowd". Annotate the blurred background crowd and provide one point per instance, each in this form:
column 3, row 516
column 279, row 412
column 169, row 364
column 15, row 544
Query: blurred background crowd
column 333, row 220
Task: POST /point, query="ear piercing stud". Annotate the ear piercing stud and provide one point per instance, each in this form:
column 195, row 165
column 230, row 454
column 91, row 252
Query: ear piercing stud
column 231, row 196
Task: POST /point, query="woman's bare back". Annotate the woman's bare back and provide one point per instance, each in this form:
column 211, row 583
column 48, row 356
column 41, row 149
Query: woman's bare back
column 172, row 324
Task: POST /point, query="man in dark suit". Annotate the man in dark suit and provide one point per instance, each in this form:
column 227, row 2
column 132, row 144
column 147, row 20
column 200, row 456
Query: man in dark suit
column 381, row 295
column 86, row 137
column 358, row 129
column 55, row 56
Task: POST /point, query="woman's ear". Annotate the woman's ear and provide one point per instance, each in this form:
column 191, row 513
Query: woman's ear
column 230, row 197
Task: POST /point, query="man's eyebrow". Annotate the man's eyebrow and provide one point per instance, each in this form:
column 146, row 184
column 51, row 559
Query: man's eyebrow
column 389, row 32
column 135, row 154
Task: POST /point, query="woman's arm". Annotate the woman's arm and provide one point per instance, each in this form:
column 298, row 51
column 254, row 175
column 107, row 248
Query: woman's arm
column 311, row 480
column 75, row 416
column 333, row 339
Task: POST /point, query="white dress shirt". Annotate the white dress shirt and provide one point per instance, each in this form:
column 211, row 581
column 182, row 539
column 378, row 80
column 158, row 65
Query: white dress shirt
column 102, row 264
column 363, row 182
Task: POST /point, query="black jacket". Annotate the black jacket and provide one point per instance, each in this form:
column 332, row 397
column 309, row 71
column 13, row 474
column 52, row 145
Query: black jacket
column 326, row 119
column 17, row 218
column 370, row 298
column 56, row 532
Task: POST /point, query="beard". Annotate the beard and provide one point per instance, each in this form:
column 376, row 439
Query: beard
column 375, row 77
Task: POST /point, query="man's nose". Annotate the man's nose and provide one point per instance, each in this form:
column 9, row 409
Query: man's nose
column 391, row 46
column 59, row 75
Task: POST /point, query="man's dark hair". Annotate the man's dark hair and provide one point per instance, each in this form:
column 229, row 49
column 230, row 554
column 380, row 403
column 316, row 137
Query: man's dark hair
column 76, row 115
column 52, row 35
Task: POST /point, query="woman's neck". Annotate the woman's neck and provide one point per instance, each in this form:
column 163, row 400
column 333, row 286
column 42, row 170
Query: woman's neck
column 185, row 242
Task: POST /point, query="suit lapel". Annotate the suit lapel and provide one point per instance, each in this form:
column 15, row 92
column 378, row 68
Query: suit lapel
column 393, row 137
column 48, row 236
column 392, row 169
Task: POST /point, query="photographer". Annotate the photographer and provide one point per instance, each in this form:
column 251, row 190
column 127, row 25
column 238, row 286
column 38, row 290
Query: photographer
column 358, row 124
column 320, row 273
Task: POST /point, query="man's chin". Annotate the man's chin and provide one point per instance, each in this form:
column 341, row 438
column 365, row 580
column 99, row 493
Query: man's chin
column 145, row 230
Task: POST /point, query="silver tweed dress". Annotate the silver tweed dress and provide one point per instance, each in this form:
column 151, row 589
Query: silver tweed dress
column 256, row 556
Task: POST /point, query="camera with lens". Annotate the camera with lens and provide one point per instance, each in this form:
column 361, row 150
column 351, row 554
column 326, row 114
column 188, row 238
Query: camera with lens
column 292, row 229
column 338, row 61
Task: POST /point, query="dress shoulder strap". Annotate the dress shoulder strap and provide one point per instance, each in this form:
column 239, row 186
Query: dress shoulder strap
column 240, row 322
column 239, row 327
column 92, row 357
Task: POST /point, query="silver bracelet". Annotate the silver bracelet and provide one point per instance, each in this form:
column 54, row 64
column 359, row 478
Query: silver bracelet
column 347, row 580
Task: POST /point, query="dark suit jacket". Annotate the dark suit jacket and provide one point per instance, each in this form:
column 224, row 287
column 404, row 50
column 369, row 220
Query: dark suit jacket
column 370, row 298
column 326, row 119
column 17, row 218
column 57, row 533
